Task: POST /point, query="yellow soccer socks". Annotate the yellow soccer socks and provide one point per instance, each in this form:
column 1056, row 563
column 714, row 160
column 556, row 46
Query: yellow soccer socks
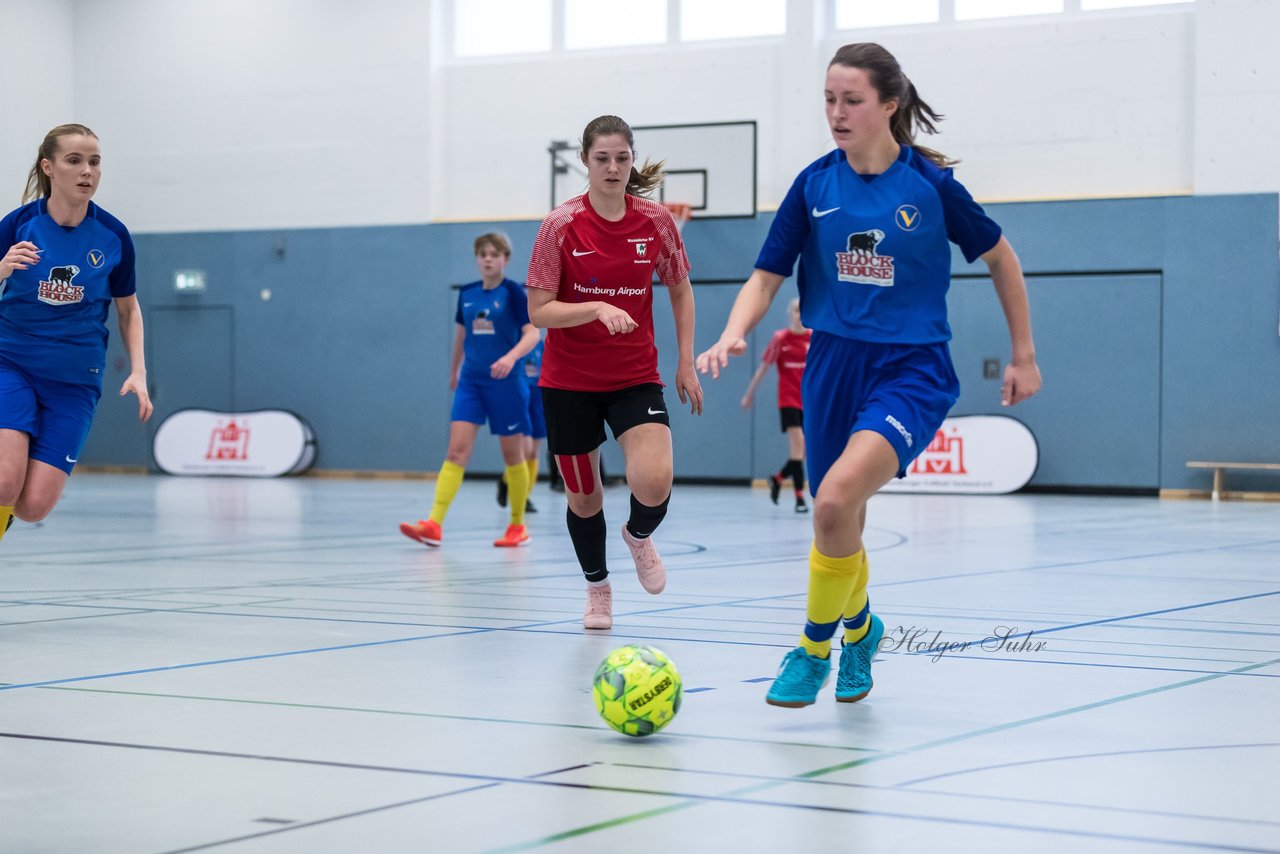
column 517, row 491
column 6, row 519
column 832, row 583
column 447, row 483
column 857, row 613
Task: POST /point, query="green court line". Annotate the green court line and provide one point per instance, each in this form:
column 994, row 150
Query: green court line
column 439, row 716
column 832, row 769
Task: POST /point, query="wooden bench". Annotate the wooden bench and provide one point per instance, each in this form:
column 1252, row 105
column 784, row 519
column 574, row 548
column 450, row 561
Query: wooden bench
column 1218, row 468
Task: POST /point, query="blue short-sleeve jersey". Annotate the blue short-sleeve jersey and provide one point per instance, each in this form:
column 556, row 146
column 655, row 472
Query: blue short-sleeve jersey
column 494, row 320
column 874, row 250
column 53, row 316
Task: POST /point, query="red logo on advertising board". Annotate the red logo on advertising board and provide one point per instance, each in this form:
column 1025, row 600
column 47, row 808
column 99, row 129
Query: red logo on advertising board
column 945, row 455
column 229, row 442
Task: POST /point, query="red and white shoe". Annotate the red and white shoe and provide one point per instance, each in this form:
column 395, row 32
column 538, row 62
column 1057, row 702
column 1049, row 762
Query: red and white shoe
column 427, row 531
column 516, row 535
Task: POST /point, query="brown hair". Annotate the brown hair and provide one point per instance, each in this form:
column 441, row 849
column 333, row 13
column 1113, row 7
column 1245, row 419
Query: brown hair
column 497, row 240
column 38, row 184
column 913, row 114
column 642, row 181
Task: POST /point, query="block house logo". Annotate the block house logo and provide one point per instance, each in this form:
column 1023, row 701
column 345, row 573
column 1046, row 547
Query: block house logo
column 58, row 289
column 862, row 264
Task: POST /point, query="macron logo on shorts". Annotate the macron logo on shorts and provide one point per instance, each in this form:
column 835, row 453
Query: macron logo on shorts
column 897, row 425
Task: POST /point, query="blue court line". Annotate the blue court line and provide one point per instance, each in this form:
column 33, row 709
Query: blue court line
column 886, row 755
column 687, row 798
column 1127, row 617
column 1107, row 754
column 843, row 784
column 1070, row 564
column 232, row 660
column 1144, row 668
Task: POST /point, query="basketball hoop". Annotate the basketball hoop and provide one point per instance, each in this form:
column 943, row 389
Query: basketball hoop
column 680, row 212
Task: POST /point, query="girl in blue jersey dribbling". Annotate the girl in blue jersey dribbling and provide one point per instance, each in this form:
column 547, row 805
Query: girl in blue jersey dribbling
column 871, row 225
column 65, row 261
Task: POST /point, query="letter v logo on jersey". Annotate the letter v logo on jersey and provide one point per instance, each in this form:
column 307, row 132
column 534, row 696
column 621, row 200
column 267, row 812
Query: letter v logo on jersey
column 907, row 217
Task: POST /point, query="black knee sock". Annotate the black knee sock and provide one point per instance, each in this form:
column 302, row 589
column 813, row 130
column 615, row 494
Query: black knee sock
column 588, row 537
column 645, row 519
column 797, row 474
column 785, row 471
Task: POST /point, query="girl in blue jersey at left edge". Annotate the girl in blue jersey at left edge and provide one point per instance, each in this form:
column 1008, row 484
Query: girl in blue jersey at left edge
column 65, row 261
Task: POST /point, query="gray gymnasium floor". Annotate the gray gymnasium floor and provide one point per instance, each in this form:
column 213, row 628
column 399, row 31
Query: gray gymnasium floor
column 269, row 666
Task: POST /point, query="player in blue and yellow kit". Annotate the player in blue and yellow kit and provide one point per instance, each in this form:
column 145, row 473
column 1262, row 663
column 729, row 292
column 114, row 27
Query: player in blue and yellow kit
column 493, row 337
column 871, row 224
column 65, row 262
column 537, row 428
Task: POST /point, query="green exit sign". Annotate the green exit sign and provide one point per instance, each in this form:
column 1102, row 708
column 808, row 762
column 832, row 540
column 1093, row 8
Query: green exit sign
column 188, row 281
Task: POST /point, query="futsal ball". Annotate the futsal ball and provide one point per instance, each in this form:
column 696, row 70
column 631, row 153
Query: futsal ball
column 637, row 690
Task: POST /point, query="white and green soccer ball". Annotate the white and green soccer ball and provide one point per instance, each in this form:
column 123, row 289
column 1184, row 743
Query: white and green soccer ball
column 637, row 690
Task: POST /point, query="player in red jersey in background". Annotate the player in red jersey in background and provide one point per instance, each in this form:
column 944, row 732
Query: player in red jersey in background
column 591, row 285
column 788, row 349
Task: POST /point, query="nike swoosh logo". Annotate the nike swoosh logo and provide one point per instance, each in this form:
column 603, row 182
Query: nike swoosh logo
column 467, row 304
column 819, row 213
column 653, row 411
column 73, row 462
column 577, row 254
column 513, row 426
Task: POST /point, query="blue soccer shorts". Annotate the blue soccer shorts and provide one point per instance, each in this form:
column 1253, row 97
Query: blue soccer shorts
column 503, row 403
column 901, row 391
column 56, row 415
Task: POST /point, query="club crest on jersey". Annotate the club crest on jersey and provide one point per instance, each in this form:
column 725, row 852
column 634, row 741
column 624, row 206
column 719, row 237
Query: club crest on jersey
column 58, row 290
column 907, row 217
column 641, row 248
column 96, row 258
column 862, row 264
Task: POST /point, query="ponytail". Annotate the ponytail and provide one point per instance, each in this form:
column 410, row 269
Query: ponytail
column 646, row 179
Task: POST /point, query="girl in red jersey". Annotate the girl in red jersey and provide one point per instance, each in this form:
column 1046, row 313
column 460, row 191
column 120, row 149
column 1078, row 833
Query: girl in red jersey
column 590, row 284
column 787, row 349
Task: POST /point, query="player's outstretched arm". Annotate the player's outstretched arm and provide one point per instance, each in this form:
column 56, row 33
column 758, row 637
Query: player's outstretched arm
column 1022, row 375
column 753, row 301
